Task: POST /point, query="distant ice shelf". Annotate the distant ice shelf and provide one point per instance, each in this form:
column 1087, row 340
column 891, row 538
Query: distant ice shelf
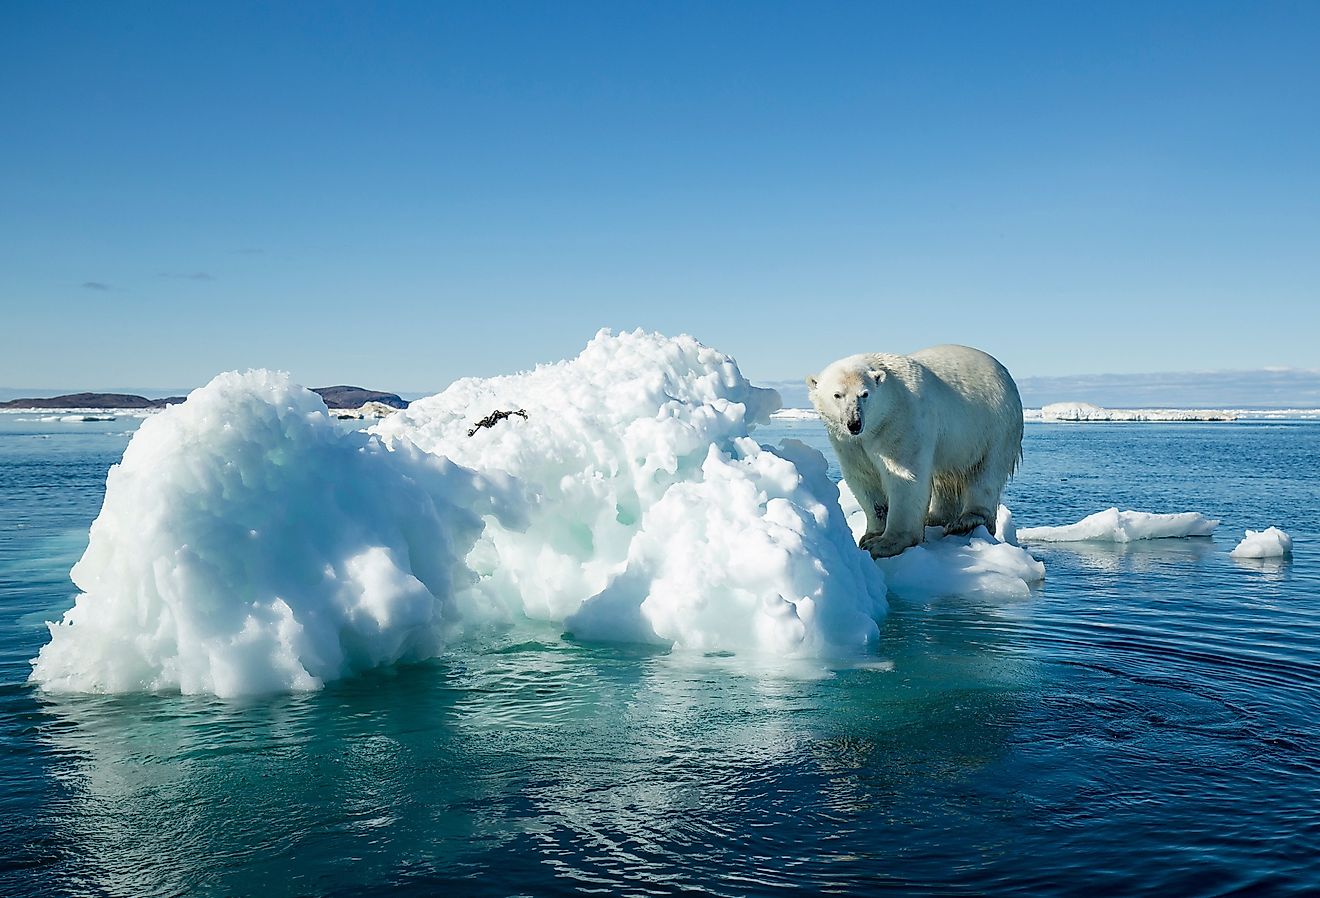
column 1085, row 411
column 795, row 414
column 1080, row 412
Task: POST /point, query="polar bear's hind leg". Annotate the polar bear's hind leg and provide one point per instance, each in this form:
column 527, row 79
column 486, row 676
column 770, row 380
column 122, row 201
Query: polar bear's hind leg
column 946, row 502
column 980, row 500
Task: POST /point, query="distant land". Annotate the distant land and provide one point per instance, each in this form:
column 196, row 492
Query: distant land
column 1263, row 389
column 337, row 397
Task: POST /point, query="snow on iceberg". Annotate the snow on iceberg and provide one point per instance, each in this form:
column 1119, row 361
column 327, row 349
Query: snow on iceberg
column 248, row 544
column 654, row 516
column 1268, row 543
column 1117, row 526
column 955, row 565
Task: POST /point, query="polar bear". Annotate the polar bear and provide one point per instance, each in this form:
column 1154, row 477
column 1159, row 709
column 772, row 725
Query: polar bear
column 926, row 438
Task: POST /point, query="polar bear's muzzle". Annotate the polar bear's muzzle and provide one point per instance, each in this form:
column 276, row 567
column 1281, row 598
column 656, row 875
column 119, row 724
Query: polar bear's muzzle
column 855, row 421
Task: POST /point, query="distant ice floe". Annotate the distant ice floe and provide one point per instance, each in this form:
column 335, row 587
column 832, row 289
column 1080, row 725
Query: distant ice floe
column 1268, row 543
column 1078, row 412
column 795, row 414
column 1084, row 411
column 1117, row 526
column 978, row 563
column 77, row 416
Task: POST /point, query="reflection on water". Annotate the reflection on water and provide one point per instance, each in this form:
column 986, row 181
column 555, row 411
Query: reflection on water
column 1138, row 557
column 1270, row 568
column 587, row 764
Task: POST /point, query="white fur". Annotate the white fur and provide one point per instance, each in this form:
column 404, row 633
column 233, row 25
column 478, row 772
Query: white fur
column 939, row 434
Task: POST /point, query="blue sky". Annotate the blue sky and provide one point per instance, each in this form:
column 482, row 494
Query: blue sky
column 398, row 195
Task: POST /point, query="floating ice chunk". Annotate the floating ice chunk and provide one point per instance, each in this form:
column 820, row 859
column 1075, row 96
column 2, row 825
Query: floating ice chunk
column 247, row 544
column 961, row 565
column 1268, row 543
column 955, row 565
column 654, row 518
column 1117, row 526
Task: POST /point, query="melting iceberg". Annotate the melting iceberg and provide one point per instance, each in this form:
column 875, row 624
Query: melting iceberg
column 654, row 516
column 1268, row 543
column 1114, row 526
column 248, row 544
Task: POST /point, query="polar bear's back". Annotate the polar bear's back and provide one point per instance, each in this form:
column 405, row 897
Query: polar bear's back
column 974, row 375
column 977, row 404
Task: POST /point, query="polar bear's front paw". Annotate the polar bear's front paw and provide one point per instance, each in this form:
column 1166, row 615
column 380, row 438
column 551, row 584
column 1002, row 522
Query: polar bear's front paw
column 886, row 545
column 870, row 538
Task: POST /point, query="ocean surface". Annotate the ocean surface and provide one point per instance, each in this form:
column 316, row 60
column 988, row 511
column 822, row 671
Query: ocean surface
column 1147, row 722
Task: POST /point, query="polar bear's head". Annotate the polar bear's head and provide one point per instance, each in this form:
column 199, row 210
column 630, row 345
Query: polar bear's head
column 846, row 395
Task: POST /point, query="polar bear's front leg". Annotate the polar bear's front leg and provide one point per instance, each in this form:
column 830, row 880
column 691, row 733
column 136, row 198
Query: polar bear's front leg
column 908, row 489
column 875, row 505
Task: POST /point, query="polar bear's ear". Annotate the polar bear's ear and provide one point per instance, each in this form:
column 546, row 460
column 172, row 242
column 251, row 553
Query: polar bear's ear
column 878, row 374
column 811, row 381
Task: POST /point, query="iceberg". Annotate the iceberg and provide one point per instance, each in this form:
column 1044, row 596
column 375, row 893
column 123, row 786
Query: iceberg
column 1268, row 543
column 247, row 544
column 1117, row 526
column 653, row 516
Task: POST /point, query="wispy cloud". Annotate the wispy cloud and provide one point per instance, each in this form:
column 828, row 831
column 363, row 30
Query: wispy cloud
column 188, row 275
column 96, row 285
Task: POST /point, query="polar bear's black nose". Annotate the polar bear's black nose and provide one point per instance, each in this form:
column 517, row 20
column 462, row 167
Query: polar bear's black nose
column 854, row 426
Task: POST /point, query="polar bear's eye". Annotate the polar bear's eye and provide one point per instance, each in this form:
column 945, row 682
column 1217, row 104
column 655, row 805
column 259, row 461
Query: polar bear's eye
column 838, row 395
column 865, row 393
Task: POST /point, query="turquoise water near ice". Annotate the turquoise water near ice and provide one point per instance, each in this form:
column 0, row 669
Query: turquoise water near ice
column 1145, row 723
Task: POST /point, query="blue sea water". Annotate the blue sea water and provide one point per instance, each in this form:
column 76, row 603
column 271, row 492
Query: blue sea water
column 1145, row 723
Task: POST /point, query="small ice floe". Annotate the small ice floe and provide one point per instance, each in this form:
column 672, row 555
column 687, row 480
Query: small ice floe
column 977, row 563
column 1112, row 525
column 1268, row 543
